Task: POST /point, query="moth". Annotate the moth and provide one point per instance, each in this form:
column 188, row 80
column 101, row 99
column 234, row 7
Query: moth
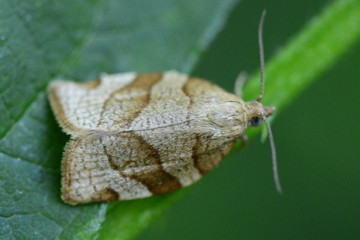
column 136, row 135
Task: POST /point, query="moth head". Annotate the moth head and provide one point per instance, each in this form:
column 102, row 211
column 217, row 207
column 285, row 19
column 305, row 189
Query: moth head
column 257, row 113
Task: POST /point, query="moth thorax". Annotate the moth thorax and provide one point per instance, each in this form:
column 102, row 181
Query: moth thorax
column 228, row 114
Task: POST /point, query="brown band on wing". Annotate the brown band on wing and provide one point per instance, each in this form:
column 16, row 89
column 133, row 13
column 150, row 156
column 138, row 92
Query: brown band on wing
column 208, row 158
column 149, row 170
column 146, row 82
column 195, row 149
column 90, row 84
column 143, row 82
column 110, row 159
column 202, row 156
column 107, row 194
column 195, row 155
column 187, row 92
column 157, row 180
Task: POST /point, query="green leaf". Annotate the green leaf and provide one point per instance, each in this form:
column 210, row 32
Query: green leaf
column 42, row 40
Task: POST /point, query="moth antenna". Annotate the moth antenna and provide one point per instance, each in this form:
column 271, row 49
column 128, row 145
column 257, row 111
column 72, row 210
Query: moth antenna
column 262, row 56
column 273, row 155
column 259, row 99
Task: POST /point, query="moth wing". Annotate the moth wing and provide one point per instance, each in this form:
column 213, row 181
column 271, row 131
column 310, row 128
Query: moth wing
column 208, row 152
column 102, row 167
column 114, row 102
column 134, row 139
column 106, row 104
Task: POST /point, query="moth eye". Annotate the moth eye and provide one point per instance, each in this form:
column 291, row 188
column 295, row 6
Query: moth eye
column 256, row 121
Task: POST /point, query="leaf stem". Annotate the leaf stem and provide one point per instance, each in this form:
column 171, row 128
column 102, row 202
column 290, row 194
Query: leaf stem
column 311, row 52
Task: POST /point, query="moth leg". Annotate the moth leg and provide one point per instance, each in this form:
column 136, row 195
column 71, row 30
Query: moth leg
column 239, row 83
column 244, row 141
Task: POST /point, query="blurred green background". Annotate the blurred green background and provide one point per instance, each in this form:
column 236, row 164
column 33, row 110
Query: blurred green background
column 317, row 140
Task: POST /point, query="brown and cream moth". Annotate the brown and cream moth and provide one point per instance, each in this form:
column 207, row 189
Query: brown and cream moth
column 136, row 135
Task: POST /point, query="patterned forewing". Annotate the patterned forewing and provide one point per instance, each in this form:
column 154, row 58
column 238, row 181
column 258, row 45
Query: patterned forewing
column 167, row 120
column 124, row 104
column 153, row 156
column 138, row 137
column 207, row 151
column 79, row 107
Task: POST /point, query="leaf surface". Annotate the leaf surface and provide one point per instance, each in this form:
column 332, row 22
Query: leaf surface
column 42, row 40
